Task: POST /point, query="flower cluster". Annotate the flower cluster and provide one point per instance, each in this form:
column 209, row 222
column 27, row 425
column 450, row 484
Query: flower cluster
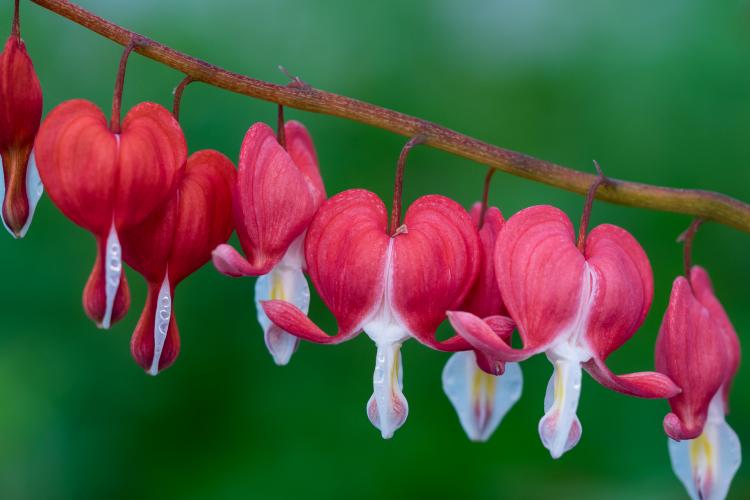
column 574, row 299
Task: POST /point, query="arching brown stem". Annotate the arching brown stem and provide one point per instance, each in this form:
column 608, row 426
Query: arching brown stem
column 583, row 227
column 15, row 29
column 398, row 183
column 176, row 103
column 687, row 250
column 706, row 204
column 114, row 123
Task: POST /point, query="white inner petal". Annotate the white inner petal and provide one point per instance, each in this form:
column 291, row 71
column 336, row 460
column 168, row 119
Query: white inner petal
column 707, row 464
column 481, row 400
column 560, row 428
column 2, row 197
column 34, row 191
column 112, row 272
column 387, row 408
column 284, row 282
column 161, row 323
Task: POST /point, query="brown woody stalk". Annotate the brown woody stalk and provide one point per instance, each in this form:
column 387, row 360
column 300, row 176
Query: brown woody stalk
column 705, row 204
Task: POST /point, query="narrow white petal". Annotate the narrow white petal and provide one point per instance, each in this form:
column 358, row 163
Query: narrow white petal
column 282, row 283
column 387, row 408
column 481, row 400
column 560, row 429
column 161, row 323
column 34, row 191
column 707, row 464
column 112, row 272
column 2, row 197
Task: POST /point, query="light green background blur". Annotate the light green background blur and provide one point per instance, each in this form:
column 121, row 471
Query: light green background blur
column 657, row 92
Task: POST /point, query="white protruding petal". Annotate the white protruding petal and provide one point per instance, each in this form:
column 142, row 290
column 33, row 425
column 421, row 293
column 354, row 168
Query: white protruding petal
column 480, row 399
column 387, row 408
column 161, row 323
column 707, row 464
column 34, row 191
column 2, row 196
column 282, row 283
column 560, row 429
column 112, row 272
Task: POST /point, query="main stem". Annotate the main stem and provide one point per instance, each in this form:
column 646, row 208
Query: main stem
column 706, row 204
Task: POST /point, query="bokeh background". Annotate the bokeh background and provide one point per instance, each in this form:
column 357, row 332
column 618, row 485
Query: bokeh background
column 655, row 91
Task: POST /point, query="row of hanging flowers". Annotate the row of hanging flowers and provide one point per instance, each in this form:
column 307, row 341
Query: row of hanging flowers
column 575, row 299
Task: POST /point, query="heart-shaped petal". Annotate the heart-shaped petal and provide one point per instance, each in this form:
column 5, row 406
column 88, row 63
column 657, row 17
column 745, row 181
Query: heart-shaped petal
column 539, row 272
column 275, row 198
column 435, row 263
column 172, row 243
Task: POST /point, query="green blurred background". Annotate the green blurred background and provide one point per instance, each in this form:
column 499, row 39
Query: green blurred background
column 657, row 92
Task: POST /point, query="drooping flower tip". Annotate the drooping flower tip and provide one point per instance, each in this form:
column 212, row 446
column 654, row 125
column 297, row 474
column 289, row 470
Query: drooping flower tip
column 20, row 114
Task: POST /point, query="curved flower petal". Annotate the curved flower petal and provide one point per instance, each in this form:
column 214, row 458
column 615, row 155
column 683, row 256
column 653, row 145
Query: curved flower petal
column 691, row 349
column 282, row 283
column 485, row 339
column 20, row 113
column 704, row 292
column 300, row 147
column 273, row 201
column 560, row 429
column 435, row 263
column 624, row 288
column 707, row 464
column 640, row 384
column 481, row 400
column 291, row 319
column 539, row 269
column 75, row 138
column 155, row 343
column 345, row 250
column 484, row 298
column 172, row 243
column 387, row 408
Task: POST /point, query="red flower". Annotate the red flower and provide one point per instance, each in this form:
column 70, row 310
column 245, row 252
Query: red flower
column 392, row 287
column 577, row 306
column 20, row 113
column 172, row 243
column 483, row 390
column 698, row 349
column 275, row 197
column 107, row 182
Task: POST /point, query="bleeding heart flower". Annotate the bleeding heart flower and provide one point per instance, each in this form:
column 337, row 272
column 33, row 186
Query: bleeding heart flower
column 483, row 390
column 392, row 287
column 20, row 113
column 275, row 197
column 698, row 349
column 576, row 305
column 171, row 244
column 107, row 182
